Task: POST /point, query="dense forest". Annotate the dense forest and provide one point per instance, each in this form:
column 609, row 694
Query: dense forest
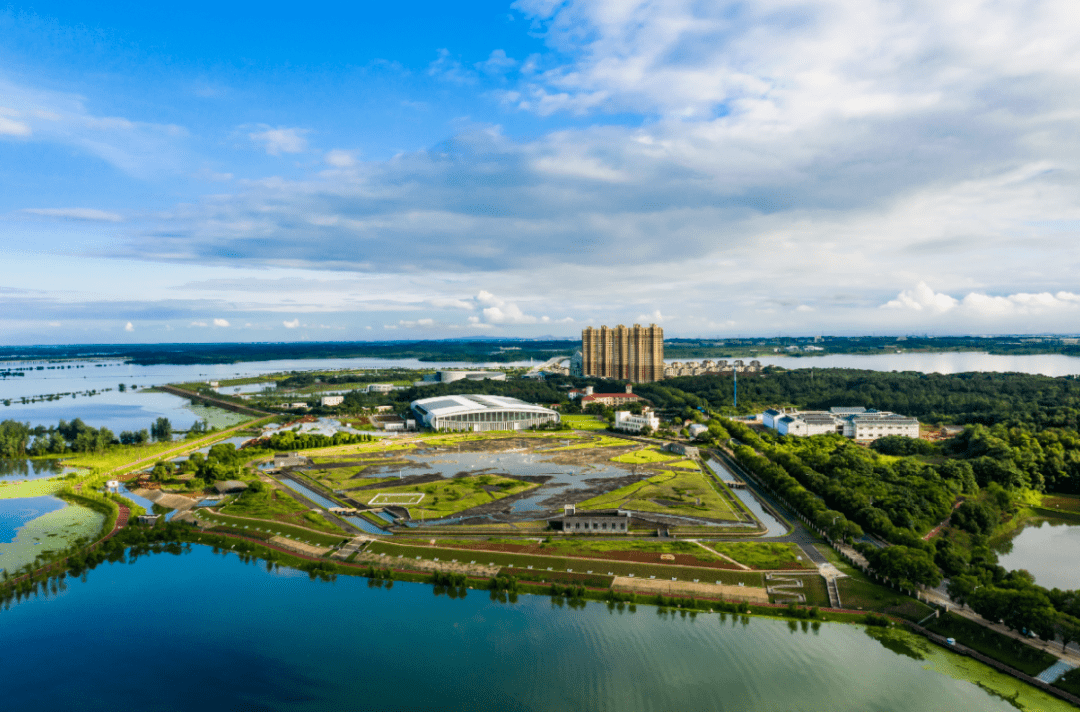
column 986, row 398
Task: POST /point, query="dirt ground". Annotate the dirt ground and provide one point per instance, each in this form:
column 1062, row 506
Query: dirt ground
column 689, row 588
column 476, row 570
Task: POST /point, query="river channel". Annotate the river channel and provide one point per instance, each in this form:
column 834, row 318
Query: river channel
column 229, row 636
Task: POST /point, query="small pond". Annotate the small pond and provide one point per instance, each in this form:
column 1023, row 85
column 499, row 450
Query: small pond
column 1049, row 549
column 774, row 526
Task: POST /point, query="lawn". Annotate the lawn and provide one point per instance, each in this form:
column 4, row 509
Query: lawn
column 676, row 493
column 645, row 456
column 275, row 505
column 685, row 465
column 446, row 497
column 584, row 422
column 561, row 564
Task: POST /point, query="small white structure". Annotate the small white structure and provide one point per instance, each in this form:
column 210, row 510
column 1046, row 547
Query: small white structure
column 697, row 429
column 380, row 388
column 625, row 420
column 332, row 400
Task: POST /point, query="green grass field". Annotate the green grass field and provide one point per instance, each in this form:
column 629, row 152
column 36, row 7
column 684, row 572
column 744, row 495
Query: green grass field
column 763, row 554
column 558, row 563
column 446, row 497
column 584, row 422
column 684, row 465
column 646, row 456
column 681, row 489
column 271, row 528
column 274, row 505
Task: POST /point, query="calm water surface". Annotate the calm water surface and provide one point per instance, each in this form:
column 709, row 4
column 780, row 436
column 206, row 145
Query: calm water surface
column 14, row 513
column 228, row 636
column 1050, row 550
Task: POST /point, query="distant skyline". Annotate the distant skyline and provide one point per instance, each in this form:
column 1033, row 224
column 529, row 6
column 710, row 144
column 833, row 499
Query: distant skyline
column 273, row 172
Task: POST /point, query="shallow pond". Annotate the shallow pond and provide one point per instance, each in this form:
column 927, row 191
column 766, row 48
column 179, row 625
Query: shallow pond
column 773, row 525
column 297, row 644
column 33, row 525
column 1049, row 549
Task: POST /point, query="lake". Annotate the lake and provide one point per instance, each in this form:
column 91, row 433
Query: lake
column 1049, row 550
column 224, row 635
column 946, row 362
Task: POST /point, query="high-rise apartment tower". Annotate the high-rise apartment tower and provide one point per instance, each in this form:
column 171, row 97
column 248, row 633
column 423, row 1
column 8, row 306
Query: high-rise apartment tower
column 635, row 354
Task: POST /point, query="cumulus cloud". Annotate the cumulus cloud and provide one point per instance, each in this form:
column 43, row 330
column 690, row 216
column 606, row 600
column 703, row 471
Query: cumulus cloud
column 981, row 306
column 277, row 141
column 655, row 318
column 291, row 324
column 129, row 327
column 91, row 214
column 220, row 322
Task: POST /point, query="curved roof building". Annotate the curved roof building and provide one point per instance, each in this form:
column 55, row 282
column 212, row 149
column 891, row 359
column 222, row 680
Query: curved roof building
column 479, row 413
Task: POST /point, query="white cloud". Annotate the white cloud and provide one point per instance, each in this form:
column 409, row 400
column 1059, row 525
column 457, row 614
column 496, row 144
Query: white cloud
column 221, row 322
column 92, row 214
column 655, row 318
column 280, row 140
column 340, row 158
column 805, row 309
column 199, row 324
column 922, row 298
column 418, row 323
column 129, row 327
column 10, row 127
column 497, row 63
column 291, row 324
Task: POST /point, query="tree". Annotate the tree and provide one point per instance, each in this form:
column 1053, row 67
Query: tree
column 161, row 430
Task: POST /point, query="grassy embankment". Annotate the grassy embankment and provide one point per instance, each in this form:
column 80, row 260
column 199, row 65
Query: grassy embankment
column 277, row 506
column 992, row 644
column 859, row 591
column 265, row 528
column 680, row 493
column 757, row 555
column 563, row 563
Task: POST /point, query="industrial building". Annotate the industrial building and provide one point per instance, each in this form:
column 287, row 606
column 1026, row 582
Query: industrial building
column 635, row 354
column 480, row 412
column 856, row 423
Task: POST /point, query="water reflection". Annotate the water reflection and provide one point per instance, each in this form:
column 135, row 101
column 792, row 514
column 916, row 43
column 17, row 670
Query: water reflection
column 26, row 469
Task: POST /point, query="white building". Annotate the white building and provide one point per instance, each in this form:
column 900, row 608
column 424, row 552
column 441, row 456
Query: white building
column 380, row 388
column 480, row 412
column 625, row 420
column 856, row 423
column 330, row 401
column 697, row 429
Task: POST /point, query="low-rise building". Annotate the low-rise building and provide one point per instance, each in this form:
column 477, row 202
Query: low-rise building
column 380, row 388
column 611, row 400
column 625, row 420
column 856, row 422
column 697, row 429
column 330, row 401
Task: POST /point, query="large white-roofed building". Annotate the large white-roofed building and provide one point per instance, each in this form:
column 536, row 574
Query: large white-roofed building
column 479, row 412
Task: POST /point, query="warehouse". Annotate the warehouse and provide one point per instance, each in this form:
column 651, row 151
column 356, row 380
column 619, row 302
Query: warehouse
column 479, row 413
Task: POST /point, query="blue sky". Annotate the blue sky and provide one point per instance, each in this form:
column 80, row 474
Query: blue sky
column 251, row 172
